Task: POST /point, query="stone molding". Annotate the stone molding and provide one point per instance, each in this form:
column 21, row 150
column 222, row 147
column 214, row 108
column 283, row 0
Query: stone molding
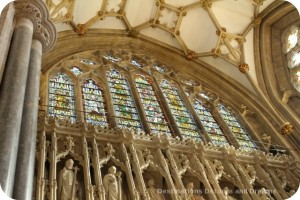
column 44, row 30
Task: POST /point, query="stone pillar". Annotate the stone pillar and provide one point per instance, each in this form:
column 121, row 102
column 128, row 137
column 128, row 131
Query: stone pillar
column 26, row 152
column 11, row 101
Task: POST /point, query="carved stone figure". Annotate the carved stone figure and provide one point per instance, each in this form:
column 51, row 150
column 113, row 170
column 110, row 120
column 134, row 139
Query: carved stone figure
column 190, row 192
column 226, row 194
column 282, row 177
column 219, row 169
column 252, row 173
column 112, row 184
column 153, row 192
column 267, row 141
column 67, row 184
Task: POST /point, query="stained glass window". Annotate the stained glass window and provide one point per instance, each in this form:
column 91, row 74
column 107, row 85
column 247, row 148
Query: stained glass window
column 136, row 63
column 61, row 97
column 154, row 114
column 160, row 68
column 182, row 116
column 112, row 58
column 124, row 106
column 242, row 137
column 93, row 102
column 209, row 123
column 88, row 61
column 75, row 70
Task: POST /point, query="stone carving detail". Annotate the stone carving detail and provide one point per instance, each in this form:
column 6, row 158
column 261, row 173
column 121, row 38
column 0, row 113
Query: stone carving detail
column 190, row 192
column 227, row 194
column 266, row 139
column 112, row 184
column 252, row 174
column 219, row 169
column 67, row 183
column 263, row 194
column 282, row 177
column 153, row 192
column 37, row 12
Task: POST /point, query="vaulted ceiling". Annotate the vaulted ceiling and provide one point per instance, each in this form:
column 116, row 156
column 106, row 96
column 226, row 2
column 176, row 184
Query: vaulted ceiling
column 218, row 32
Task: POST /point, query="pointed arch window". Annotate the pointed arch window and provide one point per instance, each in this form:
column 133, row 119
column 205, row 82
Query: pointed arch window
column 124, row 105
column 209, row 123
column 93, row 103
column 183, row 117
column 240, row 134
column 61, row 97
column 152, row 108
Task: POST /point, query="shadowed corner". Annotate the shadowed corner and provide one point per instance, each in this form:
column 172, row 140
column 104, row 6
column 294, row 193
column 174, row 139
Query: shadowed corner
column 3, row 3
column 296, row 3
column 3, row 196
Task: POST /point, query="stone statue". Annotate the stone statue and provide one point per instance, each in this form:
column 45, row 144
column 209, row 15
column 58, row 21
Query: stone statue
column 219, row 169
column 112, row 184
column 67, row 184
column 267, row 141
column 226, row 194
column 190, row 192
column 153, row 192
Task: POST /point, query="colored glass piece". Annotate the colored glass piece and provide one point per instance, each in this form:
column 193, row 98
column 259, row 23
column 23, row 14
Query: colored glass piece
column 124, row 106
column 152, row 108
column 61, row 97
column 93, row 102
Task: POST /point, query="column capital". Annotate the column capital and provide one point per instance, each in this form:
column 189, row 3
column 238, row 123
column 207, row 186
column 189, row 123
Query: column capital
column 43, row 30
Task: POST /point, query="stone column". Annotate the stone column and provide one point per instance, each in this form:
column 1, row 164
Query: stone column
column 11, row 101
column 26, row 152
column 44, row 35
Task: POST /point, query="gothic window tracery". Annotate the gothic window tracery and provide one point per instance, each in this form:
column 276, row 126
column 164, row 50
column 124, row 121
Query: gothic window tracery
column 157, row 112
column 291, row 47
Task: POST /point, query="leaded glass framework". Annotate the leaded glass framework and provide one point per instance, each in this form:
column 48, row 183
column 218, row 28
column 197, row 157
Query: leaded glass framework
column 86, row 82
column 243, row 138
column 209, row 123
column 124, row 105
column 154, row 114
column 94, row 105
column 61, row 97
column 182, row 115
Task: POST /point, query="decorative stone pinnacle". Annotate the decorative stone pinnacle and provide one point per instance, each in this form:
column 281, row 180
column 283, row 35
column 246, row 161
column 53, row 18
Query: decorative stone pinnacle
column 37, row 12
column 287, row 128
column 244, row 68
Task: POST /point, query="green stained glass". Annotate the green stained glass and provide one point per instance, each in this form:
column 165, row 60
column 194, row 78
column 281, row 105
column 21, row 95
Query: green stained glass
column 183, row 118
column 93, row 102
column 243, row 138
column 152, row 108
column 124, row 106
column 209, row 123
column 61, row 97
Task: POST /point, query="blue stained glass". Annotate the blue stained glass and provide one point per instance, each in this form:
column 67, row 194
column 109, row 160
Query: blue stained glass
column 75, row 70
column 152, row 108
column 136, row 63
column 124, row 106
column 209, row 123
column 183, row 118
column 61, row 97
column 93, row 102
column 242, row 137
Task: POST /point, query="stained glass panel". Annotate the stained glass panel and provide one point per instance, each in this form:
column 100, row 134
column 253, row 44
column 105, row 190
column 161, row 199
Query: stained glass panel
column 112, row 58
column 136, row 63
column 183, row 118
column 93, row 103
column 209, row 123
column 152, row 108
column 88, row 61
column 61, row 97
column 125, row 109
column 75, row 70
column 242, row 137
